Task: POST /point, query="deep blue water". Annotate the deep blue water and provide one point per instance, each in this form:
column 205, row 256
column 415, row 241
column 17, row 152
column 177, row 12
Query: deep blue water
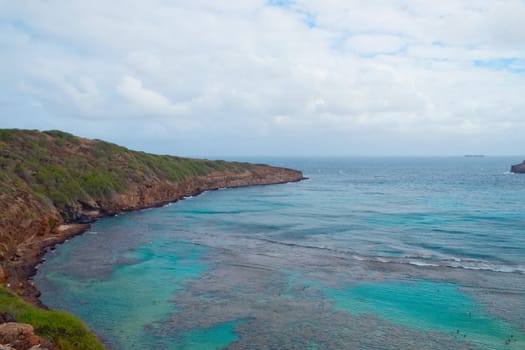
column 382, row 253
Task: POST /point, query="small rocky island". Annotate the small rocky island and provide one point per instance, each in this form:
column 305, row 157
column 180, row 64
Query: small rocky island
column 518, row 168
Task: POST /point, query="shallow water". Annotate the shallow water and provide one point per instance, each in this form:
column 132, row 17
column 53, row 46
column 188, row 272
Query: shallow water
column 368, row 253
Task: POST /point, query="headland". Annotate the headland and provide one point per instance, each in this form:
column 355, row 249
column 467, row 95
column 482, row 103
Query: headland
column 54, row 184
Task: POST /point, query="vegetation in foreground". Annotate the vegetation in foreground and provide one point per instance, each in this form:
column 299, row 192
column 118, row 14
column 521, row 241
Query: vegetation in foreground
column 62, row 329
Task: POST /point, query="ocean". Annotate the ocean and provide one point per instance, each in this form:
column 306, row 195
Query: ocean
column 368, row 253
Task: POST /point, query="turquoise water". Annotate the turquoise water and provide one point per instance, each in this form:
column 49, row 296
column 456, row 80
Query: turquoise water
column 427, row 306
column 369, row 253
column 210, row 338
column 138, row 291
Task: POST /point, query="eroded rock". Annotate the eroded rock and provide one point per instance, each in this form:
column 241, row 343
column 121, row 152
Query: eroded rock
column 518, row 168
column 21, row 336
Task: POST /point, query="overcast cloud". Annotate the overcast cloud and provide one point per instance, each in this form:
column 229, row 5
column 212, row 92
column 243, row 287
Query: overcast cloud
column 278, row 77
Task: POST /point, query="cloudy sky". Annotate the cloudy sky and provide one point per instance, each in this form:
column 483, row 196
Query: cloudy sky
column 269, row 77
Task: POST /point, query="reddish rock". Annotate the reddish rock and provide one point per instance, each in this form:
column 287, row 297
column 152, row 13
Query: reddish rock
column 21, row 336
column 518, row 168
column 3, row 274
column 156, row 193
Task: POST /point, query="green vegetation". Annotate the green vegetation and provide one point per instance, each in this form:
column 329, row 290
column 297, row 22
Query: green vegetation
column 63, row 170
column 62, row 329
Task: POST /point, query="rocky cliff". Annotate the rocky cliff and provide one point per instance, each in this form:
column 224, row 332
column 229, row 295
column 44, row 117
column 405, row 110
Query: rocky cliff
column 518, row 168
column 51, row 179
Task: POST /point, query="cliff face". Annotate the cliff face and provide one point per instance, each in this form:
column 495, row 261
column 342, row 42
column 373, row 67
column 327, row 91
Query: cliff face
column 155, row 192
column 52, row 178
column 518, row 168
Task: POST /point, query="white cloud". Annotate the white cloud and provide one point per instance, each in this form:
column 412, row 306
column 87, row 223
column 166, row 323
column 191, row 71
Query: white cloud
column 370, row 44
column 145, row 101
column 326, row 69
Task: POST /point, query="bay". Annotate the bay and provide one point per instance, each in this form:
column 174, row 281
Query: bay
column 383, row 253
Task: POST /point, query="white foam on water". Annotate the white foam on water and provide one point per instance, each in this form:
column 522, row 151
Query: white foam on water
column 421, row 263
column 483, row 266
column 451, row 262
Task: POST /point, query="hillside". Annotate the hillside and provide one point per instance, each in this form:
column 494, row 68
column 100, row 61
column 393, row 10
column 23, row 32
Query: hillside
column 52, row 178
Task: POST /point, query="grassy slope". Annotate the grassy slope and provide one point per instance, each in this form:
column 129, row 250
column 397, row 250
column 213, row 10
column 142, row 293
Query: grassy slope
column 61, row 169
column 62, row 329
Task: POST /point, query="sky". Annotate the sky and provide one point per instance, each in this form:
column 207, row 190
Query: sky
column 269, row 77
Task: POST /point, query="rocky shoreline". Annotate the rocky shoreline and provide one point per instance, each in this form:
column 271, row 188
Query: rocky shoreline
column 21, row 269
column 30, row 255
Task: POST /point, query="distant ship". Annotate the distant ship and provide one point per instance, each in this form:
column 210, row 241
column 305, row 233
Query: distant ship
column 474, row 155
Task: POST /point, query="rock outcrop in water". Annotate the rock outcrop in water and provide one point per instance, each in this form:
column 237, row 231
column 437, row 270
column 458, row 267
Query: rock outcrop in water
column 51, row 179
column 518, row 168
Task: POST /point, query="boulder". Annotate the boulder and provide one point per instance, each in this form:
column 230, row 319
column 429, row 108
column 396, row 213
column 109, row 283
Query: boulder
column 21, row 336
column 518, row 168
